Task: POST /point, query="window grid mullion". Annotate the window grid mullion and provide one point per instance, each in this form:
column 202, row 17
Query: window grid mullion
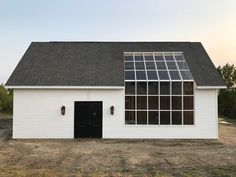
column 166, row 66
column 178, row 68
column 158, row 78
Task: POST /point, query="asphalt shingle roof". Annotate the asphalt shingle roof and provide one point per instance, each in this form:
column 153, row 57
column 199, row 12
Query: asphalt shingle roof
column 100, row 63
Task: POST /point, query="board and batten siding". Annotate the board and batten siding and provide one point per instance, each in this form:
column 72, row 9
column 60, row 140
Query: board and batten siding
column 36, row 114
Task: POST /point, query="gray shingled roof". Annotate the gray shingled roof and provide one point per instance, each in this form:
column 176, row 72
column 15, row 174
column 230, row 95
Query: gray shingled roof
column 100, row 63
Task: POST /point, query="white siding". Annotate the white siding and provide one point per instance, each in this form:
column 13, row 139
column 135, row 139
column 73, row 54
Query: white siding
column 37, row 115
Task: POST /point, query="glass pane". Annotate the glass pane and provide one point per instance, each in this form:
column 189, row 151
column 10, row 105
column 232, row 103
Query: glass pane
column 129, row 117
column 142, row 102
column 179, row 57
column 161, row 65
column 174, row 75
column 148, row 57
column 142, row 117
column 159, row 57
column 176, row 88
column 176, row 117
column 188, row 118
column 129, row 88
column 129, row 102
column 163, row 75
column 188, row 102
column 188, row 88
column 182, row 65
column 171, row 65
column 153, row 117
column 165, row 117
column 186, row 75
column 139, row 65
column 129, row 75
column 165, row 102
column 152, row 75
column 141, row 88
column 153, row 102
column 150, row 65
column 169, row 57
column 141, row 75
column 176, row 102
column 153, row 88
column 164, row 88
column 129, row 58
column 138, row 58
column 129, row 65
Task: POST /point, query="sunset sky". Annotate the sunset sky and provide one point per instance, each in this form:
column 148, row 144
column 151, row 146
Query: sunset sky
column 212, row 22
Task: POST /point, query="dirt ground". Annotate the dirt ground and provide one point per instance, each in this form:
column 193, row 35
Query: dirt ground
column 72, row 158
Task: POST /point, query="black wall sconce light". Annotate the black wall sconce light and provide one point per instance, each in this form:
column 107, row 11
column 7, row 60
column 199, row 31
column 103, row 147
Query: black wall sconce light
column 112, row 110
column 63, row 110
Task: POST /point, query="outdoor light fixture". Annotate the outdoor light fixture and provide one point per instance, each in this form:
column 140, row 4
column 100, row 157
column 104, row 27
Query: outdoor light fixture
column 63, row 110
column 112, row 110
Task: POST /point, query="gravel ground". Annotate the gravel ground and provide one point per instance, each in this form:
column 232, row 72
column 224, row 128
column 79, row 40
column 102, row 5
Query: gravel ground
column 72, row 158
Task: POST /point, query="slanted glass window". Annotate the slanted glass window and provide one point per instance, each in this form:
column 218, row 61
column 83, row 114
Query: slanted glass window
column 129, row 75
column 128, row 57
column 138, row 56
column 171, row 65
column 174, row 75
column 148, row 56
column 141, row 75
column 186, row 75
column 139, row 66
column 182, row 65
column 152, row 75
column 129, row 65
column 169, row 57
column 159, row 89
column 159, row 57
column 161, row 65
column 150, row 66
column 163, row 75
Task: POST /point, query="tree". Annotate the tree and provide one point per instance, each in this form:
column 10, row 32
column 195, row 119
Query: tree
column 6, row 100
column 227, row 97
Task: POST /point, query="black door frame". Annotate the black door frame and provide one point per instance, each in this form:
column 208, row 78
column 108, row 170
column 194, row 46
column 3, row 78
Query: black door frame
column 101, row 102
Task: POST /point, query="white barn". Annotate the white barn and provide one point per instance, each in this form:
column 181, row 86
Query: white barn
column 115, row 90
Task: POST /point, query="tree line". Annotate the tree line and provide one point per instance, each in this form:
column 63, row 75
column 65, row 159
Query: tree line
column 226, row 97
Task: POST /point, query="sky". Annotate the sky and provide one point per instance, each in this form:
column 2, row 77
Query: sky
column 212, row 22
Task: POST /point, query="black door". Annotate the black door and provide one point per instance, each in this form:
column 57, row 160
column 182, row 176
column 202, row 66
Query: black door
column 88, row 119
